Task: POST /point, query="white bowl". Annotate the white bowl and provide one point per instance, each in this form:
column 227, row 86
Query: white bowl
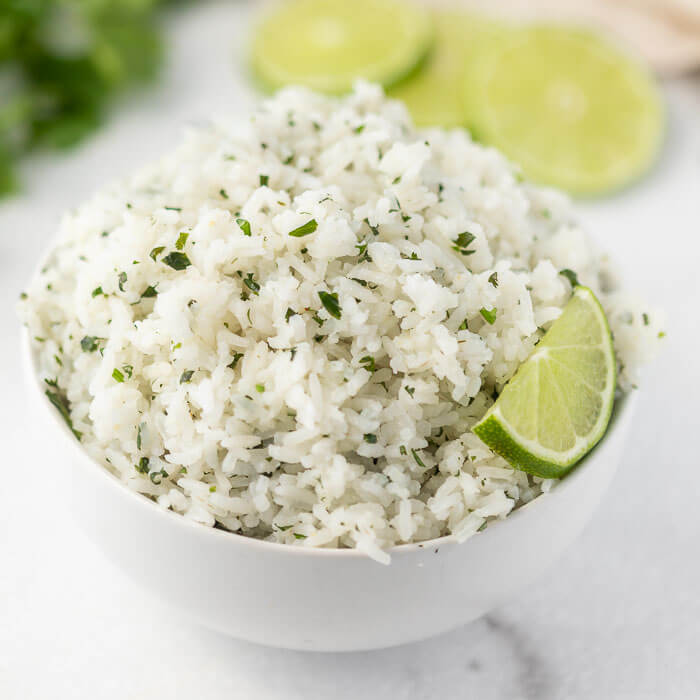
column 323, row 599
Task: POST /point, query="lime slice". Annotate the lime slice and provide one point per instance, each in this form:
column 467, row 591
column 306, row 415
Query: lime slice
column 557, row 405
column 568, row 108
column 328, row 44
column 430, row 93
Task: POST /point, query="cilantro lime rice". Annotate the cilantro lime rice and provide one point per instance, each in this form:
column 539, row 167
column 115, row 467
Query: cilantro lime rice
column 288, row 325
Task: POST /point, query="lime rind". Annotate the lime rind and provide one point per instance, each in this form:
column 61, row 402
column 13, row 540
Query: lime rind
column 327, row 45
column 523, row 393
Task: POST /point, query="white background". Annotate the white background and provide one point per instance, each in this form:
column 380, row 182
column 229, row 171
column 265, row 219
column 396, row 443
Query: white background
column 617, row 617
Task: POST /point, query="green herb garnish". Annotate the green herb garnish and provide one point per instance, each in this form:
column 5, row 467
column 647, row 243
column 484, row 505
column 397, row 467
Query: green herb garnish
column 260, row 388
column 58, row 398
column 489, row 315
column 142, row 466
column 368, row 362
column 122, row 281
column 244, row 225
column 96, row 292
column 416, row 456
column 330, row 303
column 371, row 438
column 493, row 279
column 264, row 179
column 462, row 243
column 156, row 252
column 186, row 376
column 176, row 260
column 251, row 284
column 236, row 357
column 571, row 276
column 90, row 343
column 181, row 240
column 304, row 229
column 117, row 375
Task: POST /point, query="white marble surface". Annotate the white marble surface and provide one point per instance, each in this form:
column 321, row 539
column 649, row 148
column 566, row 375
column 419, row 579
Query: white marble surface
column 617, row 618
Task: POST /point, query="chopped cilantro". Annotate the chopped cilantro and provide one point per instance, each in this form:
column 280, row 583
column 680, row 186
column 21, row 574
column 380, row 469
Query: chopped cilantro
column 402, row 450
column 359, row 129
column 236, row 357
column 489, row 315
column 244, row 225
column 251, row 284
column 410, row 390
column 149, row 292
column 289, row 314
column 299, row 536
column 645, row 318
column 416, row 456
column 260, row 388
column 173, row 208
column 156, row 252
column 304, row 229
column 368, row 362
column 181, row 240
column 371, row 438
column 330, row 303
column 142, row 466
column 493, row 279
column 90, row 343
column 117, row 375
column 60, row 401
column 264, row 179
column 186, row 376
column 139, row 435
column 571, row 276
column 96, row 292
column 122, row 280
column 462, row 243
column 176, row 260
column 222, row 192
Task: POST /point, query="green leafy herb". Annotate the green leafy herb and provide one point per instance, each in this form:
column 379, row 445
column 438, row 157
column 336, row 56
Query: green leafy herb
column 96, row 292
column 181, row 240
column 283, row 528
column 371, row 438
column 359, row 129
column 402, row 450
column 462, row 243
column 236, row 357
column 304, row 229
column 493, row 279
column 139, row 435
column 128, row 370
column 463, row 326
column 244, row 225
column 156, row 252
column 289, row 314
column 299, row 536
column 58, row 398
column 482, row 527
column 645, row 318
column 122, row 281
column 571, row 276
column 173, row 208
column 90, row 343
column 176, row 260
column 318, row 319
column 330, row 303
column 142, row 466
column 489, row 315
column 260, row 388
column 373, row 229
column 416, row 456
column 149, row 292
column 368, row 362
column 410, row 390
column 157, row 477
column 223, row 194
column 252, row 284
column 186, row 376
column 117, row 375
column 264, row 179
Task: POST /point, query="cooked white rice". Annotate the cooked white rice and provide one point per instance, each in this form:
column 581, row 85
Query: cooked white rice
column 244, row 402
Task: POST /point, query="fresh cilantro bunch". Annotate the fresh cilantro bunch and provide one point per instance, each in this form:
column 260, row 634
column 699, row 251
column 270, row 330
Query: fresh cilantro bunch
column 61, row 61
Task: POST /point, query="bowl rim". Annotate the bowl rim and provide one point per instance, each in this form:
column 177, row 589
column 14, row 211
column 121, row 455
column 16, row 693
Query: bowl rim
column 623, row 405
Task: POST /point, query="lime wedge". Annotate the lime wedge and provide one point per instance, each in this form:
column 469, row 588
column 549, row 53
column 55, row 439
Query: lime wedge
column 328, row 44
column 430, row 93
column 568, row 108
column 557, row 405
